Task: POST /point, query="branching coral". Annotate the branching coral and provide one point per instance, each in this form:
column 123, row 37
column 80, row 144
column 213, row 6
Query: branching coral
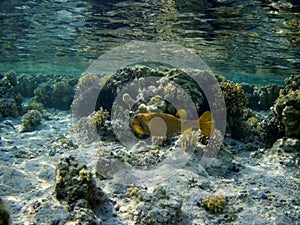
column 99, row 118
column 132, row 192
column 189, row 139
column 214, row 204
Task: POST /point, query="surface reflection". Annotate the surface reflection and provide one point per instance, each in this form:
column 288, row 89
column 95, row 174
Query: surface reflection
column 240, row 39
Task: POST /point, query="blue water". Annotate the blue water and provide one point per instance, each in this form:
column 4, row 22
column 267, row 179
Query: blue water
column 251, row 41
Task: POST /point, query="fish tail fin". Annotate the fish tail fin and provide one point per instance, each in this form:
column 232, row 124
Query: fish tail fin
column 206, row 123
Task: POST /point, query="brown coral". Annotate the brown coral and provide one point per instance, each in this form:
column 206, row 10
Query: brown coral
column 235, row 97
column 214, row 204
column 286, row 107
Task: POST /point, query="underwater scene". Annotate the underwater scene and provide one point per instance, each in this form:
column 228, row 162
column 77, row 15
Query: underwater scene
column 150, row 112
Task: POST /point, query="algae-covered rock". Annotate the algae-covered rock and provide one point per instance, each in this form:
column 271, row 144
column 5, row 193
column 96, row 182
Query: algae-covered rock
column 82, row 215
column 261, row 97
column 235, row 97
column 55, row 91
column 236, row 101
column 270, row 129
column 58, row 95
column 32, row 106
column 74, row 182
column 221, row 164
column 287, row 150
column 157, row 208
column 4, row 215
column 287, row 107
column 10, row 98
column 31, row 120
column 168, row 83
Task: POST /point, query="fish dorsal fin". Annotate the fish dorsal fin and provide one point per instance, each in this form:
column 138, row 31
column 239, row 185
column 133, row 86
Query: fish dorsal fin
column 206, row 123
column 182, row 114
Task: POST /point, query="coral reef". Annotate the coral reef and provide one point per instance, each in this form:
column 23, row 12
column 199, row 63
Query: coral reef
column 4, row 215
column 132, row 192
column 236, row 100
column 55, row 91
column 287, row 151
column 86, row 94
column 113, row 85
column 62, row 146
column 159, row 207
column 31, row 120
column 74, row 182
column 141, row 155
column 82, row 215
column 270, row 130
column 57, row 94
column 10, row 98
column 94, row 127
column 32, row 106
column 287, row 107
column 214, row 204
column 189, row 139
column 98, row 119
column 261, row 97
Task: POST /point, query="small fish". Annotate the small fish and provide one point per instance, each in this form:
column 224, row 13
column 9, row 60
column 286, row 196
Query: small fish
column 163, row 124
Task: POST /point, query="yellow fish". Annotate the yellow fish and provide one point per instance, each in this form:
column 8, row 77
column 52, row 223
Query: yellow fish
column 163, row 124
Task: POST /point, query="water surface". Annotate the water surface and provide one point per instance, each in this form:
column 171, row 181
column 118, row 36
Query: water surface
column 254, row 41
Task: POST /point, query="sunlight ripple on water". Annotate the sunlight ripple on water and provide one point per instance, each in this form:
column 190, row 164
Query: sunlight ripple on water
column 244, row 40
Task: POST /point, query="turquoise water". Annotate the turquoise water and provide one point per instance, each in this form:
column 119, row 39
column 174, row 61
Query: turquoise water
column 253, row 41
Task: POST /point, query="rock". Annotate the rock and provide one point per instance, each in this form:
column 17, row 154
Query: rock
column 31, row 120
column 287, row 107
column 261, row 97
column 144, row 93
column 10, row 98
column 107, row 166
column 236, row 101
column 82, row 215
column 270, row 130
column 287, row 151
column 159, row 208
column 287, row 145
column 74, row 181
column 55, row 91
column 4, row 215
column 221, row 164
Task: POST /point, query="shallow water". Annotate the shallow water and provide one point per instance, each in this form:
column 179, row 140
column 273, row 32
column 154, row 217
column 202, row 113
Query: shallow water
column 253, row 41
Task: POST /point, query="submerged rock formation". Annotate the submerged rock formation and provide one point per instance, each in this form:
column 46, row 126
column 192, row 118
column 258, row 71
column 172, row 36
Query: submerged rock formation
column 4, row 215
column 74, row 182
column 10, row 98
column 287, row 107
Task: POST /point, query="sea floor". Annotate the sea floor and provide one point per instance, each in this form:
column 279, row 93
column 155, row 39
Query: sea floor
column 259, row 188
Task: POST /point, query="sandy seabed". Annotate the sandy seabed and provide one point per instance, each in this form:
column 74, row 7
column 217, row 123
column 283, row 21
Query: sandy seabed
column 259, row 188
